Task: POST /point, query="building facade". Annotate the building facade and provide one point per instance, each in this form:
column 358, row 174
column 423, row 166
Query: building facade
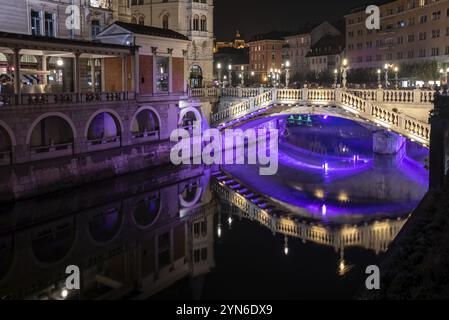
column 412, row 31
column 326, row 54
column 265, row 55
column 78, row 19
column 194, row 19
column 299, row 45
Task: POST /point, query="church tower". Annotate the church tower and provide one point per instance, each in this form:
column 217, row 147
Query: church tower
column 192, row 18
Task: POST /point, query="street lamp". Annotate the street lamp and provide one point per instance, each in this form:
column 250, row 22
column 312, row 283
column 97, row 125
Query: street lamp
column 242, row 75
column 335, row 77
column 379, row 78
column 287, row 73
column 396, row 79
column 386, row 67
column 230, row 74
column 344, row 72
column 219, row 73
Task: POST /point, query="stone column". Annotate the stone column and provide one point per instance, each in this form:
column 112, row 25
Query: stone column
column 44, row 69
column 77, row 75
column 154, row 56
column 136, row 78
column 17, row 82
column 125, row 74
column 92, row 74
column 170, row 71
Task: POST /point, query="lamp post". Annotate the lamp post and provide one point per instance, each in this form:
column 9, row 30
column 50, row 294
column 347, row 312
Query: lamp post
column 386, row 67
column 287, row 73
column 335, row 78
column 344, row 72
column 219, row 73
column 379, row 78
column 230, row 74
column 396, row 79
column 242, row 75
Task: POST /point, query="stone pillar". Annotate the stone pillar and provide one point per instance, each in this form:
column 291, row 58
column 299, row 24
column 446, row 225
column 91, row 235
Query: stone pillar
column 379, row 95
column 77, row 75
column 92, row 74
column 103, row 75
column 125, row 74
column 154, row 56
column 170, row 71
column 44, row 69
column 385, row 142
column 17, row 82
column 136, row 71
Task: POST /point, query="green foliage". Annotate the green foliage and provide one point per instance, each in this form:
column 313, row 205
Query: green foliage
column 425, row 71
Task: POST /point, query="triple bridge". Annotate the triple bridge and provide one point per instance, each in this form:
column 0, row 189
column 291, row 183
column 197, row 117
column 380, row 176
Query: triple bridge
column 405, row 112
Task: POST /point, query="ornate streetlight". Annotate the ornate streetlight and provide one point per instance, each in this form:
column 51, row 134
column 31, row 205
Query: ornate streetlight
column 396, row 79
column 219, row 73
column 230, row 74
column 344, row 72
column 287, row 73
column 242, row 75
column 386, row 67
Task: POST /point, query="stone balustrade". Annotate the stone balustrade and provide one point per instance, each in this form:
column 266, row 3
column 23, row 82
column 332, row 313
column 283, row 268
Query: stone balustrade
column 361, row 103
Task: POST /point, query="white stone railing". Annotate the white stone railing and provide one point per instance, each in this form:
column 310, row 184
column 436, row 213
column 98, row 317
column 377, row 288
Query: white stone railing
column 415, row 97
column 243, row 108
column 360, row 103
column 376, row 235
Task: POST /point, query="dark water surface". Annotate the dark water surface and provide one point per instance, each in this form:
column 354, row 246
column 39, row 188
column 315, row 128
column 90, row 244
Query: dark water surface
column 184, row 233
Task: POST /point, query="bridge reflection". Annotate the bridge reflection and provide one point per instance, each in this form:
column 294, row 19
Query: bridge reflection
column 374, row 235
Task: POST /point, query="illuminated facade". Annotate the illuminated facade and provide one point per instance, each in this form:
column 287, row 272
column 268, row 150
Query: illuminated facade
column 194, row 19
column 411, row 31
column 48, row 18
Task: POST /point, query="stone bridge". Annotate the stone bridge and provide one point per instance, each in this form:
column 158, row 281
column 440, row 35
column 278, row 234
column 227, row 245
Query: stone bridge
column 403, row 111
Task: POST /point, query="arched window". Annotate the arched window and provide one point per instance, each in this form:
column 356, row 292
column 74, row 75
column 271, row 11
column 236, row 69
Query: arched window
column 165, row 24
column 141, row 20
column 52, row 133
column 203, row 23
column 196, row 23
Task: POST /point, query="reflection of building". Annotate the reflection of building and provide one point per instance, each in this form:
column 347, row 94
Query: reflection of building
column 237, row 43
column 130, row 247
column 194, row 19
column 48, row 18
column 411, row 32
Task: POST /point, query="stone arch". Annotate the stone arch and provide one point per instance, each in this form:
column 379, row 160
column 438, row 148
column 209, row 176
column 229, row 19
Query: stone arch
column 147, row 211
column 105, row 224
column 53, row 242
column 142, row 125
column 10, row 133
column 187, row 111
column 110, row 118
column 190, row 195
column 51, row 115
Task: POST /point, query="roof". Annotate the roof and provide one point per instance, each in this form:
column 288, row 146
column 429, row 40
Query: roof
column 363, row 8
column 327, row 45
column 273, row 35
column 61, row 41
column 150, row 31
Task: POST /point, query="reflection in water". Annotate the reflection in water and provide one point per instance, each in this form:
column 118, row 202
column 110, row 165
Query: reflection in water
column 191, row 234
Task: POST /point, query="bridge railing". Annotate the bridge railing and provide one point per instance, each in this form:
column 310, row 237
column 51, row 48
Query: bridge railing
column 359, row 102
column 416, row 96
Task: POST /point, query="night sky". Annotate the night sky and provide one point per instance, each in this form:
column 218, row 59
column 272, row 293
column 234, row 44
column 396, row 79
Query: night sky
column 259, row 16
